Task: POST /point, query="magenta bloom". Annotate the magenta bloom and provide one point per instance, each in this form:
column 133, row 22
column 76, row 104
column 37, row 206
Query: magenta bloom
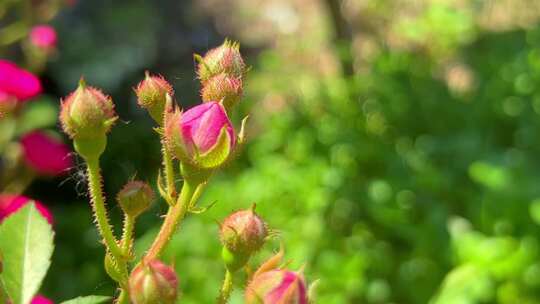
column 45, row 154
column 277, row 287
column 203, row 135
column 39, row 299
column 9, row 204
column 17, row 82
column 43, row 36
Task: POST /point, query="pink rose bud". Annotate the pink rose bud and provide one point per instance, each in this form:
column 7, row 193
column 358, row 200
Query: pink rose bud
column 223, row 59
column 87, row 113
column 203, row 136
column 152, row 95
column 39, row 299
column 46, row 154
column 135, row 198
column 224, row 88
column 18, row 83
column 9, row 204
column 277, row 287
column 44, row 37
column 153, row 282
column 243, row 232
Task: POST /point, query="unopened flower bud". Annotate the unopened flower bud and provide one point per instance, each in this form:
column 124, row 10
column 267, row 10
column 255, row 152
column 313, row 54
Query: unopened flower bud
column 86, row 116
column 43, row 37
column 135, row 198
column 203, row 136
column 223, row 59
column 87, row 113
column 152, row 95
column 152, row 283
column 223, row 88
column 277, row 286
column 243, row 232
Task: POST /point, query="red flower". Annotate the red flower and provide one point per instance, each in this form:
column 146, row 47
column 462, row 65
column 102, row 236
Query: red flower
column 45, row 154
column 17, row 82
column 9, row 204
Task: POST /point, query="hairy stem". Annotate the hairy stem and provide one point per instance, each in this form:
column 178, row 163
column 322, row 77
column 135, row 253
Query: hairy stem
column 172, row 220
column 127, row 235
column 100, row 212
column 169, row 169
column 226, row 289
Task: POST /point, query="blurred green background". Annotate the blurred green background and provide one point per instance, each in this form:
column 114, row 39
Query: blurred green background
column 392, row 143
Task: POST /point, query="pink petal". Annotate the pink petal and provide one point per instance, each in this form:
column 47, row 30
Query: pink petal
column 9, row 204
column 202, row 125
column 39, row 299
column 291, row 282
column 43, row 36
column 45, row 154
column 17, row 82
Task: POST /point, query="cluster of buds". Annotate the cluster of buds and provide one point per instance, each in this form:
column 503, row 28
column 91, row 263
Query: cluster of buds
column 202, row 139
column 221, row 71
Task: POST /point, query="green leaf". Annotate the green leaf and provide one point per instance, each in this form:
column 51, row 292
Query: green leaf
column 26, row 242
column 40, row 114
column 88, row 300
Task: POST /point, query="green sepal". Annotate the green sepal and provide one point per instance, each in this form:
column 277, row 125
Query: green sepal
column 200, row 210
column 162, row 192
column 90, row 148
column 218, row 154
column 112, row 268
column 242, row 133
column 233, row 261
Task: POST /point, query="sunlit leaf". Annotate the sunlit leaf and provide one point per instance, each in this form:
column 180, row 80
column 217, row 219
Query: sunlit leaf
column 26, row 242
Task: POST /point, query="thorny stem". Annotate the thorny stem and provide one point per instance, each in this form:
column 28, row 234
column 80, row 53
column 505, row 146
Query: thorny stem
column 127, row 236
column 172, row 220
column 227, row 288
column 100, row 212
column 169, row 169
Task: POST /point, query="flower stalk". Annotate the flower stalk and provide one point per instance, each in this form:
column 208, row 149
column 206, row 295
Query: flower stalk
column 226, row 288
column 174, row 216
column 100, row 212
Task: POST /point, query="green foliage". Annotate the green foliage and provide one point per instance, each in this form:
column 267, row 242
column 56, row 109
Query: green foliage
column 26, row 242
column 42, row 113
